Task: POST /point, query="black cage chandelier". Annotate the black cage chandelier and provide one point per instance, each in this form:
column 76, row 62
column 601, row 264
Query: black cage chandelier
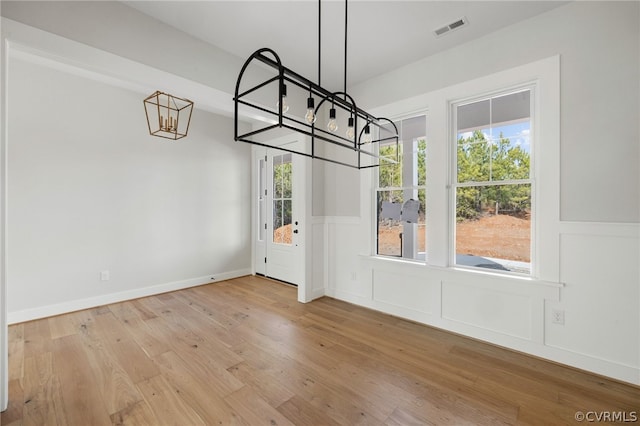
column 276, row 97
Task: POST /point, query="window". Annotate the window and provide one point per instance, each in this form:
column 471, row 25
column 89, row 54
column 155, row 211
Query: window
column 493, row 183
column 400, row 195
column 282, row 198
column 463, row 121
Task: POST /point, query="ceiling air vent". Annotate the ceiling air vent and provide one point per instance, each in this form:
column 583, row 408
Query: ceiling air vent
column 452, row 26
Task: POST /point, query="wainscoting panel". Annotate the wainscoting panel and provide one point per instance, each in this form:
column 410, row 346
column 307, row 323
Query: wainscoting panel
column 500, row 312
column 407, row 291
column 599, row 266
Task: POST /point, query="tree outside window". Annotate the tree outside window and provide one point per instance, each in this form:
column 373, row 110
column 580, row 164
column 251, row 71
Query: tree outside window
column 400, row 184
column 493, row 183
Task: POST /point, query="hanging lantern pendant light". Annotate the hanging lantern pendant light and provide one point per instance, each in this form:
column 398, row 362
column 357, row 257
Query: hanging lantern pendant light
column 168, row 116
column 355, row 138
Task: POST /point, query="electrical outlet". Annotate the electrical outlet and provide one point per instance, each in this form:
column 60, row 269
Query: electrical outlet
column 557, row 316
column 354, row 276
column 104, row 276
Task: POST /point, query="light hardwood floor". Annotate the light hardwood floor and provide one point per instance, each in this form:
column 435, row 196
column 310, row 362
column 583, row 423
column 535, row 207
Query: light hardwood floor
column 245, row 352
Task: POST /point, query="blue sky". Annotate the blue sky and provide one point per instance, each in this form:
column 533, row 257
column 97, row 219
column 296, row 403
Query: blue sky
column 517, row 133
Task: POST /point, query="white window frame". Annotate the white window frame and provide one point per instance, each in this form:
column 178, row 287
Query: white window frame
column 454, row 184
column 545, row 164
column 377, row 188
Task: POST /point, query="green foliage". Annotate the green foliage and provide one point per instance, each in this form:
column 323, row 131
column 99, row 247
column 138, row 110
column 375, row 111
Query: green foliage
column 390, row 173
column 282, row 180
column 422, row 171
column 492, row 178
column 480, row 160
column 282, row 206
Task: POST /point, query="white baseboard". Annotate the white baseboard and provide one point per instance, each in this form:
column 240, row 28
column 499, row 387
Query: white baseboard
column 105, row 299
column 346, row 296
column 617, row 371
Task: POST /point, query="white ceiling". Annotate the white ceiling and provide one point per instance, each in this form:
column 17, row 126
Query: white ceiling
column 382, row 35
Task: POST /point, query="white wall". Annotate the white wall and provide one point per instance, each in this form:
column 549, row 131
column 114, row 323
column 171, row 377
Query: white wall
column 338, row 181
column 595, row 223
column 89, row 190
column 600, row 90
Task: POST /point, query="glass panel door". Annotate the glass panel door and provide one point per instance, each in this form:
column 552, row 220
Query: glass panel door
column 282, row 199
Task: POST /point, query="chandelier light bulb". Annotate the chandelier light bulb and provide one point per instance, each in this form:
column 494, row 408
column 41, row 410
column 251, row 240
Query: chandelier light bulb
column 332, row 125
column 366, row 138
column 350, row 130
column 310, row 116
column 285, row 105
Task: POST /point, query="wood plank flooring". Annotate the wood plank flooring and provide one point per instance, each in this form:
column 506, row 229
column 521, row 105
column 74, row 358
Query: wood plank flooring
column 245, row 352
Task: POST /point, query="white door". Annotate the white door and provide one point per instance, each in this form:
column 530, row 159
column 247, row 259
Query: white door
column 280, row 215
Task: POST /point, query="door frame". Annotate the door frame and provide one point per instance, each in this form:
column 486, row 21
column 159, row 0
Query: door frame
column 303, row 183
column 4, row 330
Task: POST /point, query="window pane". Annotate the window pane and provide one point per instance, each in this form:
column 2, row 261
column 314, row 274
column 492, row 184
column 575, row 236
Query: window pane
column 511, row 151
column 510, row 108
column 286, row 180
column 277, row 221
column 474, row 153
column 286, row 214
column 493, row 139
column 483, row 158
column 421, row 228
column 400, row 217
column 421, row 155
column 277, row 183
column 282, row 198
column 401, row 224
column 389, row 225
column 282, row 176
column 473, row 116
column 390, row 172
column 493, row 227
column 282, row 222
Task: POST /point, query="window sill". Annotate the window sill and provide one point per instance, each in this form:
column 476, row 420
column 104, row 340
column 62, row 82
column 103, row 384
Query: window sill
column 461, row 271
column 395, row 259
column 506, row 275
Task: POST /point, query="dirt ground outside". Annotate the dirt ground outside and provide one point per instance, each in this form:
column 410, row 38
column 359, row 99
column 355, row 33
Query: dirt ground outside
column 282, row 235
column 498, row 236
